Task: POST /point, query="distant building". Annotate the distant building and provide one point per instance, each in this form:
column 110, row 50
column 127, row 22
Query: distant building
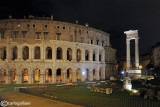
column 42, row 50
column 111, row 62
column 155, row 55
column 145, row 59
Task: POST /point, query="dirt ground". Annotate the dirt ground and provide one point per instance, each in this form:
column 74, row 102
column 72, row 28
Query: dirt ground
column 34, row 101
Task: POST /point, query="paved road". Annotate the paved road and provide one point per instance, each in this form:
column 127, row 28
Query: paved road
column 35, row 101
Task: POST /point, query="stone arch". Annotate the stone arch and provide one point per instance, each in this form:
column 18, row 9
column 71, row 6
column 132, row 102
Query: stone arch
column 2, row 75
column 94, row 56
column 69, row 54
column 79, row 75
column 25, row 53
column 25, row 75
column 78, row 55
column 69, row 75
column 94, row 74
column 36, row 75
column 3, row 53
column 13, row 76
column 100, row 74
column 14, row 53
column 37, row 52
column 59, row 53
column 48, row 53
column 100, row 56
column 48, row 75
column 87, row 74
column 86, row 55
column 59, row 75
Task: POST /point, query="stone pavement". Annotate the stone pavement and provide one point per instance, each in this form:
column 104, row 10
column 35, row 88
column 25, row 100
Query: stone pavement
column 35, row 101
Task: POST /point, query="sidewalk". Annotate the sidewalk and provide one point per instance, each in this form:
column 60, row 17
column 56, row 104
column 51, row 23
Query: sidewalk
column 11, row 96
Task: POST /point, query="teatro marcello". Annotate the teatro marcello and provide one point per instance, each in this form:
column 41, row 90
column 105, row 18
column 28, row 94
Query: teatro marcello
column 42, row 50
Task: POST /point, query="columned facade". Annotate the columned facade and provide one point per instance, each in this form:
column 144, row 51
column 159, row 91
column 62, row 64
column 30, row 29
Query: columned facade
column 30, row 69
column 132, row 35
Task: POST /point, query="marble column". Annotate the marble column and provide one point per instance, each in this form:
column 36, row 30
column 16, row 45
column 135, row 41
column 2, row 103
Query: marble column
column 8, row 53
column 136, row 53
column 42, row 76
column 97, row 55
column 42, row 52
column 30, row 53
column 31, row 76
column 74, row 55
column 19, row 52
column 64, row 77
column 91, row 75
column 53, row 54
column 64, row 54
column 53, row 75
column 83, row 76
column 82, row 55
column 90, row 55
column 103, row 72
column 74, row 76
column 128, row 53
column 97, row 73
column 19, row 78
column 8, row 79
column 103, row 56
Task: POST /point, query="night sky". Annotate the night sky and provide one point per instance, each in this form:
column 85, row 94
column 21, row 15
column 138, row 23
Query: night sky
column 111, row 16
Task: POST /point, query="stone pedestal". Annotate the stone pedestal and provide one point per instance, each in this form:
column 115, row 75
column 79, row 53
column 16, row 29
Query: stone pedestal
column 127, row 83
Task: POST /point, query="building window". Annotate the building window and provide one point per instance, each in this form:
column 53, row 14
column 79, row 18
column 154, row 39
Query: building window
column 94, row 56
column 48, row 53
column 24, row 33
column 45, row 35
column 2, row 34
column 57, row 27
column 69, row 54
column 38, row 35
column 102, row 43
column 59, row 53
column 34, row 25
column 80, row 31
column 69, row 28
column 78, row 55
column 87, row 32
column 91, row 41
column 100, row 57
column 58, row 36
column 16, row 34
column 82, row 39
column 27, row 25
column 97, row 42
column 63, row 28
column 45, row 26
column 86, row 55
column 71, row 38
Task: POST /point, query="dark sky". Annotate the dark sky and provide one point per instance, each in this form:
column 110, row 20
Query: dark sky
column 111, row 16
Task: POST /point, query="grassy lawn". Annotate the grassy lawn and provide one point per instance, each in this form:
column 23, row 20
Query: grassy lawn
column 82, row 96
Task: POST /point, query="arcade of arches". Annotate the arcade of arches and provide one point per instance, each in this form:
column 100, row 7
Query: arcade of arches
column 49, row 76
column 50, row 54
column 51, row 62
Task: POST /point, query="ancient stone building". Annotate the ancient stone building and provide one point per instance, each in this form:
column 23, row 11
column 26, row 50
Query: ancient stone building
column 155, row 55
column 41, row 50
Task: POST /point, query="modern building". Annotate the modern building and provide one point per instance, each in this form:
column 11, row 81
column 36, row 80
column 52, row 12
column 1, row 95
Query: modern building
column 42, row 50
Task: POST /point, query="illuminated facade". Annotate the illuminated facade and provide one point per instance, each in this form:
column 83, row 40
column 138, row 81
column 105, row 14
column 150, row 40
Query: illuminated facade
column 38, row 50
